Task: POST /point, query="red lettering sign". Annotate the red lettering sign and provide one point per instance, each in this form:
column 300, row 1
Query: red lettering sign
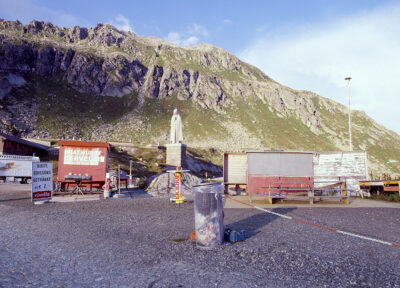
column 41, row 195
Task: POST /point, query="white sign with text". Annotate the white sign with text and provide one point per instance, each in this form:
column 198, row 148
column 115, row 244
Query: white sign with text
column 42, row 183
column 83, row 156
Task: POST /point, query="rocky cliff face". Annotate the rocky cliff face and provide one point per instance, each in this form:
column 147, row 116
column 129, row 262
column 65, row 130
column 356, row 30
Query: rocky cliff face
column 120, row 85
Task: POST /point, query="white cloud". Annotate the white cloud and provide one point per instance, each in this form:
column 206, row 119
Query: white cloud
column 223, row 24
column 26, row 10
column 189, row 37
column 318, row 57
column 122, row 23
column 192, row 40
column 196, row 29
column 176, row 38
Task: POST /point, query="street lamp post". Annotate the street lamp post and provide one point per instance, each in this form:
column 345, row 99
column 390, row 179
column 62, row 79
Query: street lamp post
column 348, row 92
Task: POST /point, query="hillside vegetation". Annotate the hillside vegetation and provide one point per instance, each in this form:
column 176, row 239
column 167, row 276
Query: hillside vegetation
column 109, row 85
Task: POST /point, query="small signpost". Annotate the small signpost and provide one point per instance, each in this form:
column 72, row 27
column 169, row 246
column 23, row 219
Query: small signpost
column 179, row 198
column 42, row 184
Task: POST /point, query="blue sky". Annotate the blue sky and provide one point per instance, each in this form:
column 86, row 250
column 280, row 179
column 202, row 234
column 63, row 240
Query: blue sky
column 309, row 45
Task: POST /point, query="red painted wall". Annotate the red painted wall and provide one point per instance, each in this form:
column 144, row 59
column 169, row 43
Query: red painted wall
column 12, row 148
column 282, row 171
column 82, row 157
column 258, row 184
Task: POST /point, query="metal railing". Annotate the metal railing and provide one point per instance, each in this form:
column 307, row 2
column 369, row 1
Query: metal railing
column 300, row 190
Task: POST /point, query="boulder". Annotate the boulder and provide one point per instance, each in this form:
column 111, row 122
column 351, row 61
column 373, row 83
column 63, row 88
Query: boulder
column 5, row 88
column 158, row 185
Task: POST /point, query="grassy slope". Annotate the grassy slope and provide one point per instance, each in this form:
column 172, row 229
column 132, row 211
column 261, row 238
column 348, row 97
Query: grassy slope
column 383, row 149
column 62, row 109
column 284, row 133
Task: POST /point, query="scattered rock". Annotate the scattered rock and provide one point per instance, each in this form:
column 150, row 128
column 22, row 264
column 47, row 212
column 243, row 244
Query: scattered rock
column 199, row 166
column 5, row 88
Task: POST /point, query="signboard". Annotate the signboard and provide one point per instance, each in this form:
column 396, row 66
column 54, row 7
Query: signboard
column 42, row 184
column 16, row 166
column 177, row 183
column 82, row 156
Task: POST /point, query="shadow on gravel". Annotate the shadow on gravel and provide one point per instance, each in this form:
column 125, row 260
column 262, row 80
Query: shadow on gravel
column 15, row 199
column 253, row 223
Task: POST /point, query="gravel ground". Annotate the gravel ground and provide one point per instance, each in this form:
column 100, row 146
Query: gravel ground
column 130, row 243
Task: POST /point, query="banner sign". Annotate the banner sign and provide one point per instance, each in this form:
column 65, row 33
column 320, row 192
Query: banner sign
column 83, row 156
column 42, row 183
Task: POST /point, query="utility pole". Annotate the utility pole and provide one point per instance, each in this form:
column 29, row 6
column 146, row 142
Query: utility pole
column 348, row 92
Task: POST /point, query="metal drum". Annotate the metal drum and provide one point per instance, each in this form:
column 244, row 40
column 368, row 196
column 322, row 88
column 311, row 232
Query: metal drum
column 208, row 215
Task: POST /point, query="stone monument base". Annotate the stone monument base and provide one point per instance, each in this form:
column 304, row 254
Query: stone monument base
column 176, row 156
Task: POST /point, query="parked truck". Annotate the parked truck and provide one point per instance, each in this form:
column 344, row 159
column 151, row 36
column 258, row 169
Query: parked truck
column 380, row 186
column 17, row 166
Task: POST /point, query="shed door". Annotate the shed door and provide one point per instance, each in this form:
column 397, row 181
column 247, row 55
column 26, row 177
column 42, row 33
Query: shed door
column 235, row 168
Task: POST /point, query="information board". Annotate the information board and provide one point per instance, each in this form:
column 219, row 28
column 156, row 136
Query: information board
column 82, row 156
column 42, row 184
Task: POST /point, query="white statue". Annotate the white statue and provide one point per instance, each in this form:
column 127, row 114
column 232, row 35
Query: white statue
column 176, row 128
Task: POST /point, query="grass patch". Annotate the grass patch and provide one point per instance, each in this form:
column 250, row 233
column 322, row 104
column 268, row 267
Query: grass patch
column 386, row 197
column 286, row 132
column 62, row 109
column 198, row 123
column 178, row 240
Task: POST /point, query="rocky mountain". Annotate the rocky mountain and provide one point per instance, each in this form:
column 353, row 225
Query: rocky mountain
column 101, row 83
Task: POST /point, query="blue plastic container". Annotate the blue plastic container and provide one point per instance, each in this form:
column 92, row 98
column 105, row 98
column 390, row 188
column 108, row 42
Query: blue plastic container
column 234, row 236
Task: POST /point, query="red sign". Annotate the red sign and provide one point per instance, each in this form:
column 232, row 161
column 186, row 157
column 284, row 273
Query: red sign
column 177, row 182
column 177, row 185
column 41, row 195
column 83, row 157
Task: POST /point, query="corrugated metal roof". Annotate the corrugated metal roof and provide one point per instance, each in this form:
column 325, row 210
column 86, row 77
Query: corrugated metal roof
column 344, row 152
column 21, row 141
column 278, row 151
column 19, row 157
column 83, row 143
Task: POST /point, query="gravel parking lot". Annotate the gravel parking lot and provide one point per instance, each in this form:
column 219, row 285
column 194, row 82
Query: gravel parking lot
column 136, row 243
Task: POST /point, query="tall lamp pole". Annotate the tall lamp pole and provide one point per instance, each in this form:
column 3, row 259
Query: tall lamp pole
column 348, row 92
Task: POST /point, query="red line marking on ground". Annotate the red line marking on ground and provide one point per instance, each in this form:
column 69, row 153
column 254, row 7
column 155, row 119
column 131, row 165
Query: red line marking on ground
column 317, row 225
column 244, row 203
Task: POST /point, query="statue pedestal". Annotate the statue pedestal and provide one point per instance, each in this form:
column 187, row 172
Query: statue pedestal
column 176, row 156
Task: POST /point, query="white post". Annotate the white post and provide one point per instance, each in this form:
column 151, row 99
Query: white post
column 348, row 92
column 130, row 184
column 119, row 180
column 107, row 186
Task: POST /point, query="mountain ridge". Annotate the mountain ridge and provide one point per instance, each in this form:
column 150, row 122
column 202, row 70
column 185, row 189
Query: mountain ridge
column 130, row 85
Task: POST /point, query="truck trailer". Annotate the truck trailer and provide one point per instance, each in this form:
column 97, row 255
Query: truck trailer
column 17, row 166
